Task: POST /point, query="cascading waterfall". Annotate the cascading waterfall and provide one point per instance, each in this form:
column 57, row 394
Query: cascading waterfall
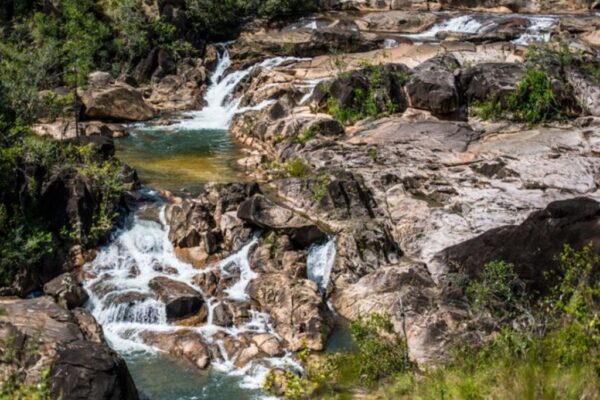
column 319, row 263
column 539, row 29
column 220, row 106
column 123, row 270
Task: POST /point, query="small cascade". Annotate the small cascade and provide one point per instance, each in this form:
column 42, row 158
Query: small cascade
column 118, row 282
column 319, row 263
column 462, row 24
column 539, row 29
column 220, row 106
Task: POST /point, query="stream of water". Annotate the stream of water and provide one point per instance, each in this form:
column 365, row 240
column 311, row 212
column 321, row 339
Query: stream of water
column 192, row 151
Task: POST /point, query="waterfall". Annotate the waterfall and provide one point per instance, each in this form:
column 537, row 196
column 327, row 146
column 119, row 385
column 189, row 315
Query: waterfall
column 538, row 30
column 220, row 104
column 122, row 301
column 463, row 24
column 320, row 260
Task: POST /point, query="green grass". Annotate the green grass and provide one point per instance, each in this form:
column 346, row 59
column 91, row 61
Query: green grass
column 553, row 354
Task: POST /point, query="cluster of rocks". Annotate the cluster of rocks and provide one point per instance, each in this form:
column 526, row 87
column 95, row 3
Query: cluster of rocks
column 221, row 221
column 60, row 347
column 418, row 196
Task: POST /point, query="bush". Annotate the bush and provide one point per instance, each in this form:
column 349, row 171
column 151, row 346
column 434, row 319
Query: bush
column 533, row 101
column 498, row 290
column 374, row 102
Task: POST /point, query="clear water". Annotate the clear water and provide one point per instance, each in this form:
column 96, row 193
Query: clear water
column 181, row 159
column 163, row 378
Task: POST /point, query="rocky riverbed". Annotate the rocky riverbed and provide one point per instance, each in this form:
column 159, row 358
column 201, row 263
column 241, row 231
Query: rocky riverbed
column 333, row 217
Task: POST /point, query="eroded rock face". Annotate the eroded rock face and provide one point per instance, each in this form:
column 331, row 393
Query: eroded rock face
column 81, row 364
column 586, row 90
column 533, row 245
column 298, row 312
column 118, row 102
column 181, row 300
column 66, row 291
column 263, row 213
column 432, row 86
column 187, row 344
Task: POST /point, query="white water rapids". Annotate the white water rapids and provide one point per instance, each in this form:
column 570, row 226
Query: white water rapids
column 539, row 29
column 118, row 278
column 220, row 104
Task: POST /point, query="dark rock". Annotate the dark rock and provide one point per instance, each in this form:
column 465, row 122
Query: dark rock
column 69, row 200
column 81, row 364
column 532, row 246
column 490, row 80
column 267, row 215
column 89, row 370
column 432, row 86
column 180, row 299
column 66, row 291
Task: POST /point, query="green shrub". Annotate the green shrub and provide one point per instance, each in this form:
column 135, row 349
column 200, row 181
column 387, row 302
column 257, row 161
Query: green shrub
column 533, row 101
column 498, row 289
column 297, row 168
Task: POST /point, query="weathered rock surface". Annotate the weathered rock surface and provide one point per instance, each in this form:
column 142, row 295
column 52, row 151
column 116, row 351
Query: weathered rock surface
column 490, row 80
column 182, row 343
column 118, row 102
column 532, row 246
column 66, row 291
column 180, row 299
column 432, row 86
column 586, row 90
column 298, row 312
column 263, row 213
column 81, row 366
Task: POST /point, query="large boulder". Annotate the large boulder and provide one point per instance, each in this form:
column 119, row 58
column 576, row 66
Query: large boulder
column 187, row 344
column 296, row 307
column 81, row 364
column 265, row 214
column 490, row 80
column 66, row 291
column 533, row 245
column 180, row 299
column 432, row 86
column 118, row 102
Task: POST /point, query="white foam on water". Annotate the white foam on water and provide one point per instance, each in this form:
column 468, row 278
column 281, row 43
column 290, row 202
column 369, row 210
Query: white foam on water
column 142, row 252
column 390, row 43
column 461, row 24
column 221, row 106
column 539, row 30
column 319, row 263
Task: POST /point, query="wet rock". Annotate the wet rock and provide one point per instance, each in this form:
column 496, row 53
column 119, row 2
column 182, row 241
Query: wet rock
column 268, row 344
column 533, row 245
column 296, row 308
column 432, row 86
column 222, row 315
column 119, row 102
column 267, row 215
column 181, row 343
column 208, row 281
column 66, row 291
column 180, row 299
column 80, row 367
